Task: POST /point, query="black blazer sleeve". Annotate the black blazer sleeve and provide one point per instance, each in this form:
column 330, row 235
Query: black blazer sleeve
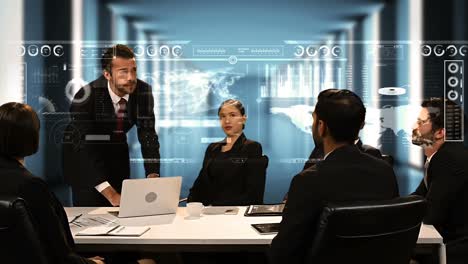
column 314, row 157
column 254, row 177
column 446, row 178
column 201, row 186
column 290, row 245
column 51, row 221
column 317, row 153
column 421, row 189
column 146, row 131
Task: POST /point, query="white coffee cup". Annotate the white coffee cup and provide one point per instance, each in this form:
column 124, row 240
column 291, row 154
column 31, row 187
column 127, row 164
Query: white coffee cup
column 194, row 209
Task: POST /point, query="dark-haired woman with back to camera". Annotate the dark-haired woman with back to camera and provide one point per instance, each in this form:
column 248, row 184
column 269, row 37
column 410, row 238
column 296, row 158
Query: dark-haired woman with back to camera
column 19, row 137
column 233, row 172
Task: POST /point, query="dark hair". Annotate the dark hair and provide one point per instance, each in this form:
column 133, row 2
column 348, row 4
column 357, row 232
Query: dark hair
column 118, row 50
column 436, row 108
column 19, row 130
column 236, row 103
column 343, row 112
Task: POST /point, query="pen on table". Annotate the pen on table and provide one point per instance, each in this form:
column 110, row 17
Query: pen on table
column 78, row 225
column 118, row 230
column 76, row 218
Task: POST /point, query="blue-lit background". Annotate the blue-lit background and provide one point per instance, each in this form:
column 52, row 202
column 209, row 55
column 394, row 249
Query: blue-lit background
column 268, row 55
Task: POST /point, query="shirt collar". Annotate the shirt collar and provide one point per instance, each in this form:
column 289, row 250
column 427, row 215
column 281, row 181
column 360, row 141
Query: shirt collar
column 428, row 160
column 342, row 147
column 325, row 157
column 115, row 98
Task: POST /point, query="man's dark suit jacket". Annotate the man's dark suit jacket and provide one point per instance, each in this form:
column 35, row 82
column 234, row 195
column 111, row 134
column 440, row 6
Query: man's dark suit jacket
column 317, row 153
column 89, row 160
column 447, row 197
column 346, row 174
column 317, row 156
column 49, row 217
column 242, row 182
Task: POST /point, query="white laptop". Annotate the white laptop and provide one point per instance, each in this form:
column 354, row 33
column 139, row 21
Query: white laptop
column 150, row 196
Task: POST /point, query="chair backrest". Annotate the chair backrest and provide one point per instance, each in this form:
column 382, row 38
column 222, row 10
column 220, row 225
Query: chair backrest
column 264, row 165
column 368, row 232
column 19, row 241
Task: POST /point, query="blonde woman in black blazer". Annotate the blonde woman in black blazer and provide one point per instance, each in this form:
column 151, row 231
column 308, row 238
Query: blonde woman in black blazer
column 233, row 171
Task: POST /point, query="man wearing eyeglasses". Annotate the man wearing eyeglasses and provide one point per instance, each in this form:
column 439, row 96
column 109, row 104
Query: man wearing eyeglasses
column 445, row 181
column 96, row 153
column 345, row 174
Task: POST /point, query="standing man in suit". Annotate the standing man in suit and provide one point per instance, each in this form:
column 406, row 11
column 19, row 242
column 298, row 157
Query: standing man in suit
column 445, row 182
column 96, row 154
column 345, row 174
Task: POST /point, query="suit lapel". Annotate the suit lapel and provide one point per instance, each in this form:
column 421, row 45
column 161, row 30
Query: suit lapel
column 213, row 152
column 239, row 143
column 104, row 106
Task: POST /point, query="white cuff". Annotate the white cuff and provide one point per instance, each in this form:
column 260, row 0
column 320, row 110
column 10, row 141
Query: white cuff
column 102, row 186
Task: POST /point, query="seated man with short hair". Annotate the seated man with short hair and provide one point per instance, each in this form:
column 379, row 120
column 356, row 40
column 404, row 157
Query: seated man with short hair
column 317, row 153
column 345, row 174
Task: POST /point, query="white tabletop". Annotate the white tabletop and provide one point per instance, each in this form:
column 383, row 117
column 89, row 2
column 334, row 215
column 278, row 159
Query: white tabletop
column 178, row 229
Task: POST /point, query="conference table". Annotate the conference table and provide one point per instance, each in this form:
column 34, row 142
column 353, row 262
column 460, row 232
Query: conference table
column 207, row 233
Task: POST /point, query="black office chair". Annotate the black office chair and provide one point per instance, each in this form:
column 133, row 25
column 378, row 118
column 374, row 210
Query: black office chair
column 19, row 242
column 368, row 232
column 263, row 163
